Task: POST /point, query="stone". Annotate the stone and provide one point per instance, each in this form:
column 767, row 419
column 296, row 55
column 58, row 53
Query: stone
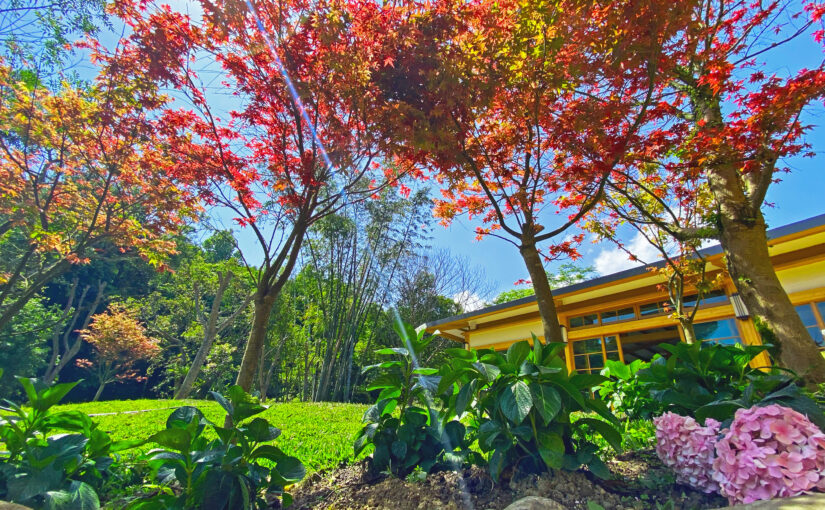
column 814, row 501
column 534, row 503
column 12, row 506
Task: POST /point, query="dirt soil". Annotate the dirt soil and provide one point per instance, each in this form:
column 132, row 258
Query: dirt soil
column 640, row 482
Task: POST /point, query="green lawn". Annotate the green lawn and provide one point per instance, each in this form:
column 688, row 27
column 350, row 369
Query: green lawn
column 320, row 434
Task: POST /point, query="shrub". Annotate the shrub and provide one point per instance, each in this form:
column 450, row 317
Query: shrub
column 521, row 404
column 687, row 448
column 54, row 460
column 625, row 393
column 714, row 381
column 236, row 470
column 769, row 452
column 407, row 436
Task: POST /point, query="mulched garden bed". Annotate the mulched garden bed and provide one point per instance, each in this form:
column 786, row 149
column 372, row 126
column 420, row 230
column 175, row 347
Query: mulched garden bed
column 641, row 482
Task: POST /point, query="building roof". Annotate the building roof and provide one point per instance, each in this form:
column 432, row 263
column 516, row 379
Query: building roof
column 789, row 230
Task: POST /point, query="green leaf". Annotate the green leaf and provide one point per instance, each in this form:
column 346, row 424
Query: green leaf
column 606, row 430
column 489, row 372
column 487, row 433
column 259, row 430
column 79, row 496
column 518, row 352
column 176, row 439
column 223, row 402
column 291, row 469
column 54, row 394
column 516, row 402
column 70, row 420
column 599, row 468
column 617, row 369
column 245, row 404
column 385, row 381
column 182, row 417
column 463, row 399
column 269, row 452
column 393, row 350
column 547, row 401
column 399, row 449
column 551, row 449
column 462, row 354
column 27, row 485
column 587, row 381
column 720, row 411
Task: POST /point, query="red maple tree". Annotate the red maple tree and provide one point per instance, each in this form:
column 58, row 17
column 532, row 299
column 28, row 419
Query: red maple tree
column 731, row 125
column 83, row 172
column 522, row 111
column 293, row 141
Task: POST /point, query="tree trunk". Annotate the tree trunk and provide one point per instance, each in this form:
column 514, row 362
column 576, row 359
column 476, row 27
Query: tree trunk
column 743, row 236
column 195, row 369
column 748, row 260
column 689, row 331
column 255, row 344
column 544, row 295
column 99, row 391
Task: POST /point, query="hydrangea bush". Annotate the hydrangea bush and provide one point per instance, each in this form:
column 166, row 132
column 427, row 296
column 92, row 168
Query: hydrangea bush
column 769, row 452
column 688, row 449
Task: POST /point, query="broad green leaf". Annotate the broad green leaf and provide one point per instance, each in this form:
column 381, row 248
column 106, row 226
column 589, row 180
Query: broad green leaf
column 399, row 449
column 393, row 350
column 54, row 394
column 551, row 449
column 261, row 431
column 79, row 496
column 463, row 399
column 489, row 372
column 176, row 439
column 463, row 354
column 518, row 352
column 547, row 401
column 606, row 430
column 516, row 402
column 291, row 469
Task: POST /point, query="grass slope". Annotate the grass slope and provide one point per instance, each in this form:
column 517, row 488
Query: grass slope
column 320, row 434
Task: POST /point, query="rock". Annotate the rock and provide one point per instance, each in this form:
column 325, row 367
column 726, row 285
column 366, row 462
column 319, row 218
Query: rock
column 804, row 502
column 534, row 503
column 12, row 506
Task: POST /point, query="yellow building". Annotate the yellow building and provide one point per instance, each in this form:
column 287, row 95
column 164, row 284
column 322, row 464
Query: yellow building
column 624, row 316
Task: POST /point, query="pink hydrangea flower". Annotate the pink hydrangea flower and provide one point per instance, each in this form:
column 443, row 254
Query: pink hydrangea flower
column 688, row 449
column 769, row 452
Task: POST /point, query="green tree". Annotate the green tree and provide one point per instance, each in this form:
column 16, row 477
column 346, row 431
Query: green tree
column 567, row 274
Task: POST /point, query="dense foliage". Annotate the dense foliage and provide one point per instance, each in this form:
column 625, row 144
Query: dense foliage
column 60, row 460
column 236, row 470
column 713, row 381
column 521, row 403
column 55, row 460
column 625, row 393
column 404, row 426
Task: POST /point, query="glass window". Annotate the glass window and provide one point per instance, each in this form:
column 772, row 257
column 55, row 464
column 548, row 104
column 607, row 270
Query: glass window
column 588, row 355
column 652, row 308
column 721, row 332
column 584, row 320
column 713, row 297
column 808, row 316
column 611, row 347
column 618, row 315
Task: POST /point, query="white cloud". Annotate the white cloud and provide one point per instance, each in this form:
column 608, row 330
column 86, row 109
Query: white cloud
column 469, row 301
column 610, row 261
